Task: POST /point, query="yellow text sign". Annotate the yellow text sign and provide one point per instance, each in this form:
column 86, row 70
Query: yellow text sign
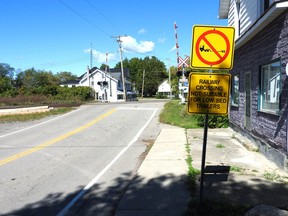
column 208, row 93
column 212, row 47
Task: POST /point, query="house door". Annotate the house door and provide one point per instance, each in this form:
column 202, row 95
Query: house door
column 247, row 118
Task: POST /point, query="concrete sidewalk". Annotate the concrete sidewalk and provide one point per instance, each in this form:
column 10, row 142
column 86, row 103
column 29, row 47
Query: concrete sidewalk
column 159, row 187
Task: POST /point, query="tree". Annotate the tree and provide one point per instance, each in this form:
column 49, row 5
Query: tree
column 174, row 80
column 65, row 76
column 103, row 67
column 155, row 73
column 6, row 77
column 6, row 70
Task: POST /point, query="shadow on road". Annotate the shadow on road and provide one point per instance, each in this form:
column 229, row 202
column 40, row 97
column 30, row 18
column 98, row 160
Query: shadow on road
column 162, row 194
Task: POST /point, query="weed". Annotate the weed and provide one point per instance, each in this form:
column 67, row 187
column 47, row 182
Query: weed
column 220, row 146
column 236, row 169
column 272, row 176
column 192, row 172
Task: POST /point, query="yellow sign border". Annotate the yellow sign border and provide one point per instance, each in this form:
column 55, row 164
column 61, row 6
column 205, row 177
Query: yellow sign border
column 199, row 32
column 201, row 85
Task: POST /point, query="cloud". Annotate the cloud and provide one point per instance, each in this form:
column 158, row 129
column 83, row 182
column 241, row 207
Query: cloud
column 100, row 57
column 161, row 40
column 130, row 44
column 173, row 48
column 142, row 31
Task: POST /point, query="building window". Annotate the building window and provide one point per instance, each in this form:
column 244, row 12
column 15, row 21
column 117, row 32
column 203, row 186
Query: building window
column 270, row 87
column 264, row 5
column 235, row 91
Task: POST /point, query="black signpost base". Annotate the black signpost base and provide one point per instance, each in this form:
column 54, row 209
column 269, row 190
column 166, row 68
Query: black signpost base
column 203, row 164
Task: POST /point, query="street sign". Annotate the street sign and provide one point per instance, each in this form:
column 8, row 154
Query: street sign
column 208, row 93
column 212, row 47
column 182, row 62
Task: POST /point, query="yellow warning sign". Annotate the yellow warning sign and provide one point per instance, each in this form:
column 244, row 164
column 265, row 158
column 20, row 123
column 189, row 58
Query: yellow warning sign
column 212, row 47
column 208, row 93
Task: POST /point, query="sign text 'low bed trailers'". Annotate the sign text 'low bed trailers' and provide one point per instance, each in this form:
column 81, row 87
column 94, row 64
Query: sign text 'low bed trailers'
column 208, row 93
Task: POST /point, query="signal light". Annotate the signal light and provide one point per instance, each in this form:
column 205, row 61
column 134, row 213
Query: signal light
column 179, row 73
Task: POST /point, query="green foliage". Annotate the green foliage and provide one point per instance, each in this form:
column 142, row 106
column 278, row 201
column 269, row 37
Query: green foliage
column 155, row 73
column 214, row 121
column 80, row 93
column 6, row 70
column 5, row 84
column 65, row 76
column 6, row 78
column 175, row 113
column 39, row 87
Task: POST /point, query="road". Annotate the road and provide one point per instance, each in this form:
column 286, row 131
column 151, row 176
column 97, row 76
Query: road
column 77, row 162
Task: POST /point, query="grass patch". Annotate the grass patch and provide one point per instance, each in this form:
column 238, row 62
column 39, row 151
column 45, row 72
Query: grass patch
column 236, row 169
column 192, row 172
column 220, row 146
column 272, row 176
column 33, row 116
column 175, row 113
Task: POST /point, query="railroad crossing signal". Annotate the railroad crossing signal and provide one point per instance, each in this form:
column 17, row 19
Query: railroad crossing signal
column 183, row 62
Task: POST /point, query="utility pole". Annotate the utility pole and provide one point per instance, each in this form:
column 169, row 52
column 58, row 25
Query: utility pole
column 143, row 79
column 91, row 56
column 170, row 93
column 121, row 61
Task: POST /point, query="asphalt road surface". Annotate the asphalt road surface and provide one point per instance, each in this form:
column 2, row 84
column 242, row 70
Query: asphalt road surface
column 77, row 162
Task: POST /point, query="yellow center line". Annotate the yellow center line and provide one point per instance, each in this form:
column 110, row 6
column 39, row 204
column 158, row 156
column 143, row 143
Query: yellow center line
column 55, row 140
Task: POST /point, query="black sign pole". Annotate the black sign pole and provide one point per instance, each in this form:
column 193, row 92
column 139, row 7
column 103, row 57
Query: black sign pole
column 203, row 163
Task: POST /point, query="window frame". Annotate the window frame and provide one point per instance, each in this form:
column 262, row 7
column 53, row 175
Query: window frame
column 235, row 92
column 277, row 86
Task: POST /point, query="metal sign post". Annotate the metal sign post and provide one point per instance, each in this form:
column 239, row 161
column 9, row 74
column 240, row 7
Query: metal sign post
column 212, row 48
column 203, row 162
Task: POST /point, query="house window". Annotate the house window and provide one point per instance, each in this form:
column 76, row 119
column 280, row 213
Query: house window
column 270, row 87
column 264, row 5
column 235, row 91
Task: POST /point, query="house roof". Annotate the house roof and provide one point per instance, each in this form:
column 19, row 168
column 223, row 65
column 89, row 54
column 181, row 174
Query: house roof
column 95, row 70
column 70, row 82
column 118, row 70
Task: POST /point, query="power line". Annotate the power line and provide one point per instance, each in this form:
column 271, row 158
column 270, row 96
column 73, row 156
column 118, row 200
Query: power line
column 91, row 5
column 84, row 18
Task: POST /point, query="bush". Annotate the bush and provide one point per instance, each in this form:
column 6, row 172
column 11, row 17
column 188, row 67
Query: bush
column 214, row 121
column 80, row 93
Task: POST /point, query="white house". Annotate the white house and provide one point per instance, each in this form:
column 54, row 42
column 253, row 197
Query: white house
column 164, row 89
column 102, row 82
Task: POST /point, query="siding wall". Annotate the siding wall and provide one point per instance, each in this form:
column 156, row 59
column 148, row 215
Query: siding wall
column 268, row 45
column 249, row 13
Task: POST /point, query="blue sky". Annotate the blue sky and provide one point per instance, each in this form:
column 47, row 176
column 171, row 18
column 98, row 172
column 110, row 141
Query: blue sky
column 56, row 35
